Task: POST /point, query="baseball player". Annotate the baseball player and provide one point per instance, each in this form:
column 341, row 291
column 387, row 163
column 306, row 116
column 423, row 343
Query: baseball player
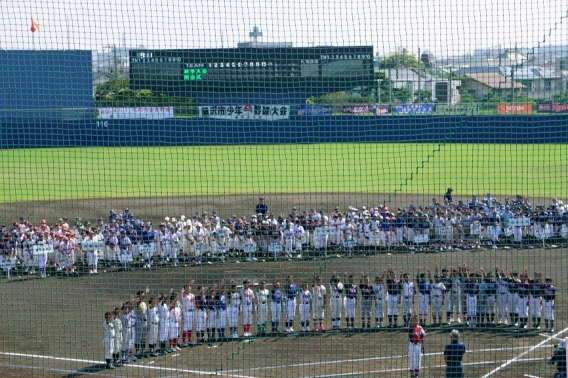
column 366, row 300
column 275, row 306
column 175, row 245
column 108, row 339
column 262, row 295
column 348, row 237
column 319, row 293
column 536, row 288
column 126, row 333
column 437, row 299
column 141, row 322
column 502, row 295
column 408, row 292
column 336, row 302
column 247, row 300
column 513, row 300
column 234, row 309
column 91, row 254
column 490, row 291
column 451, row 300
column 164, row 323
column 148, row 237
column 379, row 291
column 416, row 336
column 221, row 305
column 164, row 239
column 175, row 319
column 471, row 290
column 201, row 307
column 305, row 304
column 549, row 298
column 394, row 287
column 188, row 308
column 275, row 243
column 524, row 291
column 211, row 313
column 424, row 289
column 288, row 240
column 351, row 293
column 117, row 341
column 291, row 291
column 299, row 237
column 153, row 325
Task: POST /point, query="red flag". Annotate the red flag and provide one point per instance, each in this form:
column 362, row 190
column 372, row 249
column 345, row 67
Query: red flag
column 35, row 26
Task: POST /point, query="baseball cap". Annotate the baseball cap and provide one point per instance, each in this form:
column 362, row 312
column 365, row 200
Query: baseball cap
column 261, row 198
column 450, row 189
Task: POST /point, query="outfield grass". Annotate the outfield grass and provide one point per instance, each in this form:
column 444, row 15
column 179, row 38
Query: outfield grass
column 75, row 173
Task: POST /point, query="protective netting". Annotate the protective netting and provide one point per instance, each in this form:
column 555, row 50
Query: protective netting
column 286, row 189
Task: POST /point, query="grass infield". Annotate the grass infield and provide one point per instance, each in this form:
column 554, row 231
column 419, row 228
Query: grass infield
column 96, row 172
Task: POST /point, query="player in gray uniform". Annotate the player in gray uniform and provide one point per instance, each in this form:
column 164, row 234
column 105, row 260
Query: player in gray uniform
column 437, row 299
column 141, row 322
column 336, row 301
column 446, row 280
column 502, row 295
column 408, row 291
column 379, row 291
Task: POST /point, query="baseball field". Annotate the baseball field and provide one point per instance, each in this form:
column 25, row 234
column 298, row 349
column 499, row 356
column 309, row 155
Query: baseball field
column 53, row 327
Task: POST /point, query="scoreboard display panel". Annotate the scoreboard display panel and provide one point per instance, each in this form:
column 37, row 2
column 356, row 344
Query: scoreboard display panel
column 312, row 69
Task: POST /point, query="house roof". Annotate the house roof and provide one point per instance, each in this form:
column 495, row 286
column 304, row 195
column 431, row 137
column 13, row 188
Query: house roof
column 535, row 73
column 483, row 69
column 494, row 80
column 405, row 75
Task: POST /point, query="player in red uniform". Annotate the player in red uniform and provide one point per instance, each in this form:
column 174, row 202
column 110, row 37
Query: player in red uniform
column 415, row 346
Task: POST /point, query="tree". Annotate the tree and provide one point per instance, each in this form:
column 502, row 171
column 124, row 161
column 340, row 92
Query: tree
column 116, row 93
column 560, row 97
column 384, row 87
column 400, row 60
column 421, row 96
column 402, row 94
column 466, row 98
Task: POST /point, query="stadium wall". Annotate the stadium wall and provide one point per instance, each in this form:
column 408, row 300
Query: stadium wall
column 517, row 129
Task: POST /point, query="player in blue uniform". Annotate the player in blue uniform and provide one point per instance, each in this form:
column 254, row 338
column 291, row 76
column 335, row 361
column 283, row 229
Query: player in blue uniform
column 276, row 306
column 291, row 291
column 148, row 236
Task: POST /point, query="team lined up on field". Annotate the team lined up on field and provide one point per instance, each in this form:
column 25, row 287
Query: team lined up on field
column 481, row 298
column 124, row 237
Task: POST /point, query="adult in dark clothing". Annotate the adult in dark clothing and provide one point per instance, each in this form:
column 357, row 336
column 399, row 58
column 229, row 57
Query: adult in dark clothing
column 453, row 355
column 261, row 207
column 448, row 195
column 559, row 358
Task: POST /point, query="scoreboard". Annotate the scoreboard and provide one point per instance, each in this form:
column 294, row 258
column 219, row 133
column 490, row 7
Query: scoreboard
column 308, row 69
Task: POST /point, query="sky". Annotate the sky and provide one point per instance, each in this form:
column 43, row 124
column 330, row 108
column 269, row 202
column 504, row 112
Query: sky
column 444, row 27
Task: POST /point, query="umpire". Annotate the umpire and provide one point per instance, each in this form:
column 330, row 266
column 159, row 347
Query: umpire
column 453, row 355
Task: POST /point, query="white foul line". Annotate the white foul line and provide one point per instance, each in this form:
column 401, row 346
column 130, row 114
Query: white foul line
column 509, row 362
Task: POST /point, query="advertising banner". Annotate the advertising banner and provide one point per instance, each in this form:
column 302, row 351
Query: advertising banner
column 160, row 112
column 315, row 110
column 358, row 109
column 514, row 109
column 458, row 109
column 382, row 109
column 235, row 112
column 414, row 109
column 551, row 107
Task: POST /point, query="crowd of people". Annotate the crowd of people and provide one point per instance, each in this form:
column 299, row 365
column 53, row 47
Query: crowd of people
column 123, row 238
column 165, row 322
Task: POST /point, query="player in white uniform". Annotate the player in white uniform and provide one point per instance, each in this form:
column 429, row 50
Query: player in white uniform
column 348, row 237
column 437, row 299
column 262, row 308
column 299, row 236
column 247, row 300
column 291, row 292
column 200, row 243
column 175, row 319
column 305, row 304
column 336, row 301
column 175, row 247
column 549, row 298
column 108, row 339
column 153, row 326
column 165, row 240
column 408, row 291
column 233, row 310
column 319, row 294
column 117, row 341
column 288, row 240
column 164, row 314
column 187, row 308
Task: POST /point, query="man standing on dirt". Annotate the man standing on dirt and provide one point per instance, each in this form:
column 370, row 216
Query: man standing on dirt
column 453, row 355
column 261, row 207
